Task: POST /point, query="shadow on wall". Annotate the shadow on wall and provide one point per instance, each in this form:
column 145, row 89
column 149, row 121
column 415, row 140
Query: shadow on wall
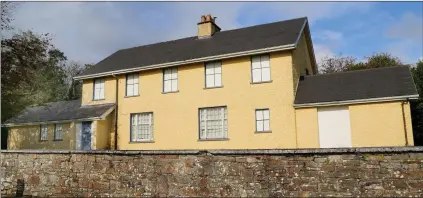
column 4, row 135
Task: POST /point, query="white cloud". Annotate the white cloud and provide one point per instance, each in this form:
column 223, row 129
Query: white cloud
column 322, row 51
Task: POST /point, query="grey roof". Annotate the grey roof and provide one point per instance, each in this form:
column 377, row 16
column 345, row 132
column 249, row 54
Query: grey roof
column 355, row 85
column 224, row 42
column 60, row 111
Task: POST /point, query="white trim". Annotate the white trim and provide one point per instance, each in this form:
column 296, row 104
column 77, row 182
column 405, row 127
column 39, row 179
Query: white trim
column 196, row 60
column 301, row 33
column 359, row 101
column 103, row 116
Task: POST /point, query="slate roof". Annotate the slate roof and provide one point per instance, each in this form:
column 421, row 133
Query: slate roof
column 224, row 42
column 355, row 85
column 59, row 111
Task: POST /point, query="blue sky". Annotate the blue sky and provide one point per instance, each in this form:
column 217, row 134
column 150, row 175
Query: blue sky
column 90, row 31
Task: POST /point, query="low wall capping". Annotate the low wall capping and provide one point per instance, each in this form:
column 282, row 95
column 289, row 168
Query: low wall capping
column 321, row 151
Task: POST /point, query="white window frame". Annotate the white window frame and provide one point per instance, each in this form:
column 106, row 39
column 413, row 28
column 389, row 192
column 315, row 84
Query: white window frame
column 213, row 74
column 260, row 69
column 132, row 84
column 170, row 78
column 207, row 121
column 262, row 117
column 43, row 132
column 58, row 131
column 98, row 89
column 137, row 122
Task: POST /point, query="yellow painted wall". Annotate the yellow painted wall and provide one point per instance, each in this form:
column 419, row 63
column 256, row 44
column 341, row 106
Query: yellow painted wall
column 109, row 93
column 28, row 137
column 103, row 131
column 307, row 128
column 176, row 114
column 379, row 124
column 372, row 125
column 301, row 60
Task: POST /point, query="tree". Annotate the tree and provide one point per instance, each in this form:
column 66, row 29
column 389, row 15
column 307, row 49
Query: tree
column 74, row 86
column 417, row 106
column 347, row 63
column 336, row 64
column 32, row 72
column 6, row 18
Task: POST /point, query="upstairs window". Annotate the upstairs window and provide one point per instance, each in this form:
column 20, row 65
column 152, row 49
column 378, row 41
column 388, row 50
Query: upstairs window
column 213, row 123
column 141, row 127
column 43, row 132
column 262, row 120
column 132, row 84
column 170, row 80
column 260, row 68
column 99, row 89
column 213, row 74
column 58, row 132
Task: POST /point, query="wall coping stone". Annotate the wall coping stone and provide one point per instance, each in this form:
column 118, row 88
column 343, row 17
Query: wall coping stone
column 322, row 151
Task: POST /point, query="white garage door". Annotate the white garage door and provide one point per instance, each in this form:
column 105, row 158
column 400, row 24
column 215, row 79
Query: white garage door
column 334, row 127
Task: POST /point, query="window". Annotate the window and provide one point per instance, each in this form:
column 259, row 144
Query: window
column 132, row 84
column 58, row 132
column 214, row 74
column 213, row 123
column 141, row 127
column 99, row 89
column 170, row 80
column 262, row 120
column 260, row 68
column 43, row 132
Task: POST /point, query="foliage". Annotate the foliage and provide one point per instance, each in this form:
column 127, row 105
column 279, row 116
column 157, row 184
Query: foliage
column 6, row 18
column 32, row 72
column 417, row 106
column 348, row 63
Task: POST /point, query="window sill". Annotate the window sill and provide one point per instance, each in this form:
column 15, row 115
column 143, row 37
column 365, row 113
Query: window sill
column 263, row 131
column 262, row 82
column 137, row 142
column 213, row 139
column 132, row 96
column 58, row 140
column 170, row 92
column 43, row 140
column 213, row 87
column 98, row 99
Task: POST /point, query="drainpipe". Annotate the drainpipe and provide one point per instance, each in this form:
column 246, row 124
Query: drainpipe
column 116, row 111
column 403, row 119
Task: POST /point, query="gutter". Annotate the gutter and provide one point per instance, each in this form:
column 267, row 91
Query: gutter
column 359, row 101
column 196, row 60
column 404, row 122
column 51, row 122
column 116, row 111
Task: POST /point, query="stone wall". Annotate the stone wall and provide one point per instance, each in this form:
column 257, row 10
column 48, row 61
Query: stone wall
column 322, row 172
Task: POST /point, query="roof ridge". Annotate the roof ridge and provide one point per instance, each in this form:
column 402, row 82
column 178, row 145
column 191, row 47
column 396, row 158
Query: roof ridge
column 258, row 25
column 360, row 70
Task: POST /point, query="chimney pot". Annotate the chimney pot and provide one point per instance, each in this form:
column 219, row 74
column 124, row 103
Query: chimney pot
column 203, row 19
column 208, row 18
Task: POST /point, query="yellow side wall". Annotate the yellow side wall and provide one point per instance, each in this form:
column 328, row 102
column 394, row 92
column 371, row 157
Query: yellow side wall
column 176, row 114
column 28, row 137
column 301, row 61
column 379, row 124
column 109, row 92
column 103, row 131
column 372, row 125
column 307, row 128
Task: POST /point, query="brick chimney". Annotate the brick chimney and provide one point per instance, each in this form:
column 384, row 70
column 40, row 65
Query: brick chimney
column 207, row 27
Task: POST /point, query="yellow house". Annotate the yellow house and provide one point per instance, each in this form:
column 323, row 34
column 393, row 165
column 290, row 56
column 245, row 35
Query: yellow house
column 248, row 88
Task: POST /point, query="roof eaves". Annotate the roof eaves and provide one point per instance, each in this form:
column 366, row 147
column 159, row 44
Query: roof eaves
column 358, row 101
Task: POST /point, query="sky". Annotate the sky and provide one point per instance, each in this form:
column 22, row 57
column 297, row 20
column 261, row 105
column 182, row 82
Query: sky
column 88, row 32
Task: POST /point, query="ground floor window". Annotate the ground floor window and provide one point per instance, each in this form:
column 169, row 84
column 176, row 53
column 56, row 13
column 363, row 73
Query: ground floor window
column 141, row 127
column 262, row 120
column 58, row 132
column 43, row 132
column 213, row 123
